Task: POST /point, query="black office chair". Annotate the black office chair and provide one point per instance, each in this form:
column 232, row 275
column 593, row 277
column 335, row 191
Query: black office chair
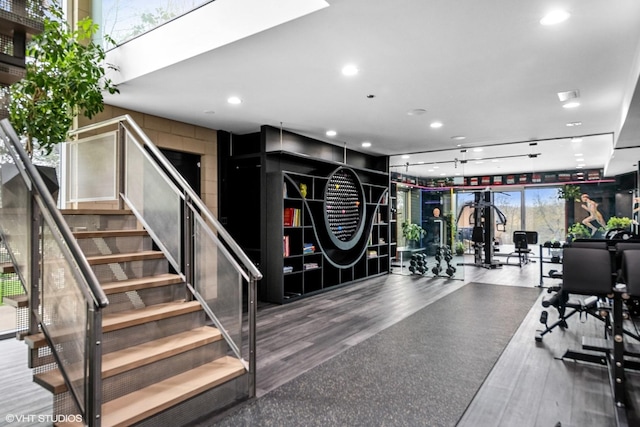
column 522, row 240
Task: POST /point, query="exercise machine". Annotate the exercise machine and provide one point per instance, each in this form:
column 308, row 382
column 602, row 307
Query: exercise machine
column 485, row 217
column 607, row 273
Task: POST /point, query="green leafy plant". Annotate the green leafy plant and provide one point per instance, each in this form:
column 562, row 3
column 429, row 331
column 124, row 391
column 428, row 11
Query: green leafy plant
column 578, row 231
column 570, row 193
column 412, row 231
column 460, row 248
column 65, row 76
column 615, row 222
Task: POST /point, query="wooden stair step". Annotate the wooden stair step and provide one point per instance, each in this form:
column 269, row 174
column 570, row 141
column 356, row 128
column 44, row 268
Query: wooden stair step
column 95, row 212
column 116, row 258
column 142, row 404
column 7, row 268
column 131, row 358
column 108, row 233
column 17, row 301
column 124, row 319
column 141, row 283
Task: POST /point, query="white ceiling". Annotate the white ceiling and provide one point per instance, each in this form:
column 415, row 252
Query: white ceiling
column 486, row 69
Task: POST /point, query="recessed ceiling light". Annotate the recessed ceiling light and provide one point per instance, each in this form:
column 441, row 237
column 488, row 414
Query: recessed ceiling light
column 416, row 112
column 458, row 137
column 436, row 125
column 405, row 156
column 436, row 167
column 366, row 144
column 331, row 133
column 495, row 161
column 430, row 170
column 421, row 163
column 571, row 124
column 479, row 162
column 579, row 167
column 580, row 159
column 477, row 150
column 443, row 174
column 350, row 70
column 555, row 17
column 457, row 173
column 578, row 154
column 234, row 100
column 572, row 104
column 570, row 94
column 576, row 139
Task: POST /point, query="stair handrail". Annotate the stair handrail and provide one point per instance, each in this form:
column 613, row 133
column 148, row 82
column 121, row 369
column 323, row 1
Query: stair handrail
column 94, row 292
column 241, row 263
column 90, row 403
column 194, row 198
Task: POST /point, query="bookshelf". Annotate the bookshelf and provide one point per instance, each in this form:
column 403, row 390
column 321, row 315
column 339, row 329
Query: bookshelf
column 323, row 218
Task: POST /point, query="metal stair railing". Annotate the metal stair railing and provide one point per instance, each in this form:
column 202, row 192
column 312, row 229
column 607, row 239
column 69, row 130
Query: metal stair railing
column 197, row 246
column 65, row 298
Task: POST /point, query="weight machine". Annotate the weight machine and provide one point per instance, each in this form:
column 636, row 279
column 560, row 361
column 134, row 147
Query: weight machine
column 607, row 274
column 485, row 217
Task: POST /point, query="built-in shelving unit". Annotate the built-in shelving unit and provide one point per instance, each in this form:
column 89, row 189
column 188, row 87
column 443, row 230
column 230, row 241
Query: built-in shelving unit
column 324, row 213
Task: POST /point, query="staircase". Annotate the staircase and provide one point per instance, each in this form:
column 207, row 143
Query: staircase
column 158, row 350
column 132, row 317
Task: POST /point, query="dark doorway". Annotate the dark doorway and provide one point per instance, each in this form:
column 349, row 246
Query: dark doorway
column 187, row 164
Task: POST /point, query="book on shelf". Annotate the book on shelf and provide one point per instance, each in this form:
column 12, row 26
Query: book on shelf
column 287, row 269
column 372, row 253
column 285, row 244
column 308, row 248
column 291, row 217
column 309, row 265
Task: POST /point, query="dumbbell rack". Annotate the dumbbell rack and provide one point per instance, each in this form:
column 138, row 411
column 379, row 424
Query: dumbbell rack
column 548, row 260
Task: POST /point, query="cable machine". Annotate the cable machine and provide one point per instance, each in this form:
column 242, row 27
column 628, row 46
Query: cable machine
column 485, row 217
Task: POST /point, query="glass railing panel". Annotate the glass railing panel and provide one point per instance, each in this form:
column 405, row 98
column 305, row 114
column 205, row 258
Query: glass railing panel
column 15, row 215
column 156, row 200
column 217, row 281
column 92, row 168
column 124, row 21
column 64, row 309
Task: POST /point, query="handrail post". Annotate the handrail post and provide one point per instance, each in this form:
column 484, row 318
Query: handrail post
column 93, row 387
column 121, row 150
column 187, row 243
column 35, row 259
column 252, row 310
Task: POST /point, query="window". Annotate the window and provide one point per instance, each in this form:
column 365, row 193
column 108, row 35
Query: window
column 545, row 213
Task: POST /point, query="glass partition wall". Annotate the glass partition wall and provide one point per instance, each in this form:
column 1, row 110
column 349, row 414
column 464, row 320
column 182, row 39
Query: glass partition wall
column 433, row 253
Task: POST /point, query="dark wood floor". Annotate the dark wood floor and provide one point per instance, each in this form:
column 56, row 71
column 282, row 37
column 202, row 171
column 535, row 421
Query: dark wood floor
column 528, row 386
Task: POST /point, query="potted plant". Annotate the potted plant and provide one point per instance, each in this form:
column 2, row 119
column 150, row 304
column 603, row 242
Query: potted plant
column 412, row 232
column 460, row 248
column 619, row 223
column 570, row 193
column 578, row 231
